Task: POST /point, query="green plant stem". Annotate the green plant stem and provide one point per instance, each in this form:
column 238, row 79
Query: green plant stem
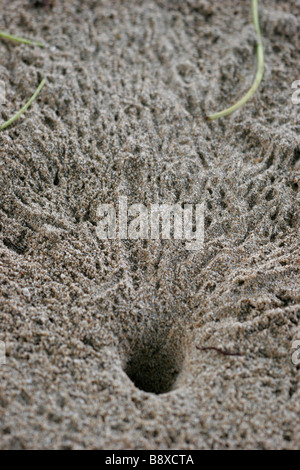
column 18, row 114
column 259, row 73
column 10, row 37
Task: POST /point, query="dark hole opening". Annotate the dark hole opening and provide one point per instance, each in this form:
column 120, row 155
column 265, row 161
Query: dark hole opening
column 56, row 179
column 155, row 362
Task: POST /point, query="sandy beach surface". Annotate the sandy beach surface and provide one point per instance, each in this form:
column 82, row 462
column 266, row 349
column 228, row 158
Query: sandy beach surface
column 142, row 343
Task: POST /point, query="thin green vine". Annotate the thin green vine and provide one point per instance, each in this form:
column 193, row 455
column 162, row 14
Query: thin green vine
column 22, row 110
column 259, row 73
column 39, row 88
column 10, row 37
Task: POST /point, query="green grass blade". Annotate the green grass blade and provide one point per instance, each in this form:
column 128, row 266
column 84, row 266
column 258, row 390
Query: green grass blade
column 259, row 73
column 10, row 37
column 18, row 114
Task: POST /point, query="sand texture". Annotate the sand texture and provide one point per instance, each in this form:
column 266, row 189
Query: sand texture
column 103, row 337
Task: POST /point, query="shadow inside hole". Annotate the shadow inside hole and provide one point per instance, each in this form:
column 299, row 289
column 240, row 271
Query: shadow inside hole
column 155, row 362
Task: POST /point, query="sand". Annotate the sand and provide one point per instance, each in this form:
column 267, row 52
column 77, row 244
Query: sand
column 103, row 337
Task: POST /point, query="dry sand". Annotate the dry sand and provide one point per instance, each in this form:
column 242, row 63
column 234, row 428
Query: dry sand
column 122, row 114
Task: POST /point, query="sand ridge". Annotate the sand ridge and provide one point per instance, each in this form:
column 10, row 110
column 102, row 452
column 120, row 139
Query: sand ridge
column 101, row 336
